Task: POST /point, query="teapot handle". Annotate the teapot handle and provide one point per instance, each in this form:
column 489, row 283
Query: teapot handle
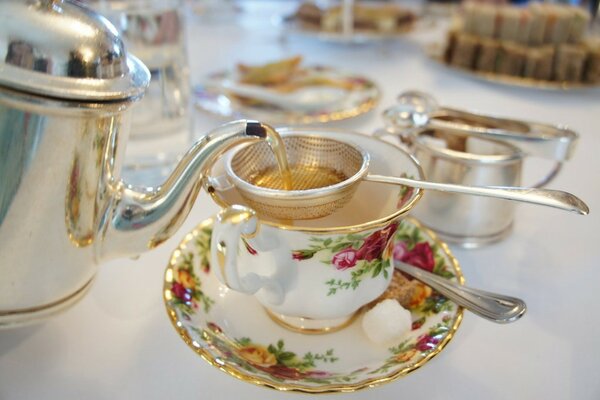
column 233, row 224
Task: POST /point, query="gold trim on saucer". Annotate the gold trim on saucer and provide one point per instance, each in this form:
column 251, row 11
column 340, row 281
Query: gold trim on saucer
column 292, row 387
column 281, row 116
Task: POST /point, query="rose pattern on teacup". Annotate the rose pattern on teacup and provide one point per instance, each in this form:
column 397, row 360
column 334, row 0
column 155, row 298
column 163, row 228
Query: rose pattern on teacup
column 272, row 362
column 364, row 255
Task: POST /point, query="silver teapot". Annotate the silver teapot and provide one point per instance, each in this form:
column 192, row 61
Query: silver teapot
column 66, row 87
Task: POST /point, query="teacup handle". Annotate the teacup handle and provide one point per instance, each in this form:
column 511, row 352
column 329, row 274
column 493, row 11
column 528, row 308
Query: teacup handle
column 233, row 224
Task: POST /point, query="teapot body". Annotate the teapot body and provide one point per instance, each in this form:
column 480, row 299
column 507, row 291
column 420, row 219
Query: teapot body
column 59, row 163
column 66, row 87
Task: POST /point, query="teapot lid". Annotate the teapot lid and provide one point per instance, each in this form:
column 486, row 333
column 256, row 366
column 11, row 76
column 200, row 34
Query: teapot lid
column 61, row 49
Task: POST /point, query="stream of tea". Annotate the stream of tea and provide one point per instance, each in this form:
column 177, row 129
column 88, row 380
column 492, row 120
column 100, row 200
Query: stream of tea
column 295, row 177
column 277, row 145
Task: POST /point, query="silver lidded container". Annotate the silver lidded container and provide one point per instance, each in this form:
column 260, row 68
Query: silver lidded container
column 461, row 147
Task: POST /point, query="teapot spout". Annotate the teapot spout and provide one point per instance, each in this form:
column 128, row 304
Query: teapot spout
column 138, row 220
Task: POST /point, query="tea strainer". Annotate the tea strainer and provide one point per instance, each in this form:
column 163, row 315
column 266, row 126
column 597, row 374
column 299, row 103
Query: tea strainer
column 308, row 157
column 309, row 154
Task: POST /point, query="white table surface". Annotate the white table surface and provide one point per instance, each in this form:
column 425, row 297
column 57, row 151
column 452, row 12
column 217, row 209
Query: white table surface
column 118, row 341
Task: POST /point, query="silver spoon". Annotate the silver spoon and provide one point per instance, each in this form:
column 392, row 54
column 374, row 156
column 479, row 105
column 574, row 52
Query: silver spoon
column 304, row 98
column 316, row 202
column 492, row 306
column 544, row 197
column 415, row 110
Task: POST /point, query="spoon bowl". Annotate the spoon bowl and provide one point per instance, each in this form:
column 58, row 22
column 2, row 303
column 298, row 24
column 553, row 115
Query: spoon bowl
column 306, row 98
column 491, row 306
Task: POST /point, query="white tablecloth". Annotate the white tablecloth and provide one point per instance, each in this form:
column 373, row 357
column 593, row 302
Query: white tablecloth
column 118, row 341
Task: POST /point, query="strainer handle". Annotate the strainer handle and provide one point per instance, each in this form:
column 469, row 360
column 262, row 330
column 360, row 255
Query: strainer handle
column 232, row 225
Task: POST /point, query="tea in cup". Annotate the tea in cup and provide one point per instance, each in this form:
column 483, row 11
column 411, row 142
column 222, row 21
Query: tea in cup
column 314, row 275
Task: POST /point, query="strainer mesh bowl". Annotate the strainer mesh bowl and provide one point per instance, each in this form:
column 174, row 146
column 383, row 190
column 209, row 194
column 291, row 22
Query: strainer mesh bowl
column 315, row 193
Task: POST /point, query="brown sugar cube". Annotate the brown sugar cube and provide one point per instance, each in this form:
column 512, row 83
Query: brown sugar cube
column 406, row 291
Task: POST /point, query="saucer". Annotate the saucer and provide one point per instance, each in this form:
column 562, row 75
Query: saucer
column 361, row 98
column 295, row 24
column 235, row 334
column 294, row 27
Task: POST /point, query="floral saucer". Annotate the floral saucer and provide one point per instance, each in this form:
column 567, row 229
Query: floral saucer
column 234, row 333
column 362, row 96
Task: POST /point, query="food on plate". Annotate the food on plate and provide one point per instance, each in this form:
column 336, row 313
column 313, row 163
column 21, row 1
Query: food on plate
column 288, row 75
column 592, row 71
column 270, row 74
column 536, row 24
column 510, row 59
column 386, row 322
column 381, row 18
column 541, row 41
column 538, row 63
column 486, row 59
column 569, row 62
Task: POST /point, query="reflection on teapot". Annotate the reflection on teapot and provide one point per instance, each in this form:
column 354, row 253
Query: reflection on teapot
column 63, row 130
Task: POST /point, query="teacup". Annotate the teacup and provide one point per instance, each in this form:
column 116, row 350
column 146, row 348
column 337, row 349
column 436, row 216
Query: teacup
column 314, row 275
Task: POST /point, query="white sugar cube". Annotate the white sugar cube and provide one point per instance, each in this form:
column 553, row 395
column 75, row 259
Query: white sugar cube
column 387, row 322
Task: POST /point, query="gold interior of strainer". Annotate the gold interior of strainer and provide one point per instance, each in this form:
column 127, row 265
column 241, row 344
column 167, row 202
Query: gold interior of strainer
column 324, row 176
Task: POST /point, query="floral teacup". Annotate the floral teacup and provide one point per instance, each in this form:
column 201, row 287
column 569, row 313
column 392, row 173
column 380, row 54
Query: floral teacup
column 314, row 275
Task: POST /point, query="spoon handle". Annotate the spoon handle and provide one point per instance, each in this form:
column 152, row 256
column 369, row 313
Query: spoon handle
column 492, row 306
column 545, row 197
